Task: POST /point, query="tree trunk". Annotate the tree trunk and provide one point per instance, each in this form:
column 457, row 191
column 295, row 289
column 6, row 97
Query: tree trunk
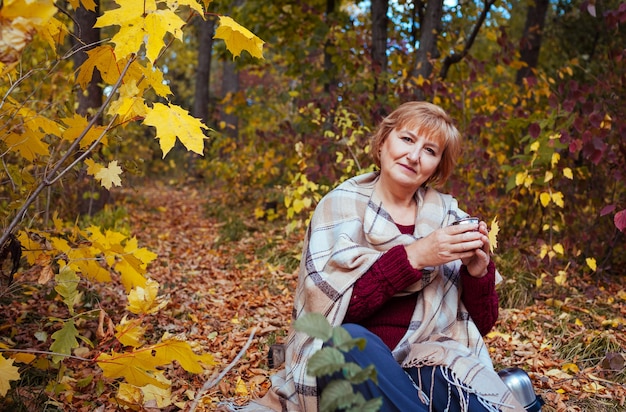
column 206, row 28
column 329, row 66
column 91, row 197
column 530, row 44
column 87, row 37
column 379, row 43
column 230, row 86
column 429, row 31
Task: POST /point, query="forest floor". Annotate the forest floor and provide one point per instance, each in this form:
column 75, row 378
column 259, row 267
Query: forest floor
column 227, row 273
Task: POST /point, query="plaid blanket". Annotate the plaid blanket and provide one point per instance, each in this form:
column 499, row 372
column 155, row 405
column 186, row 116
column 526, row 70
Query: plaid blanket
column 349, row 231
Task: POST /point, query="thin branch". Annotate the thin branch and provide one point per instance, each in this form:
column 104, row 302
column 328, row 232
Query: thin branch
column 87, row 152
column 214, row 381
column 44, row 352
column 53, row 175
column 457, row 57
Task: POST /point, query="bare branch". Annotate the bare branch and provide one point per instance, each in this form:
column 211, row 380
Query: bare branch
column 457, row 57
column 214, row 381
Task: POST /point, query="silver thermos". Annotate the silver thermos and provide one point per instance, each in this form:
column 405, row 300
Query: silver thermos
column 520, row 384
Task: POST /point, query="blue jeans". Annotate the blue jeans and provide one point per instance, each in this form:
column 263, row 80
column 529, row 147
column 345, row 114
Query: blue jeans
column 395, row 384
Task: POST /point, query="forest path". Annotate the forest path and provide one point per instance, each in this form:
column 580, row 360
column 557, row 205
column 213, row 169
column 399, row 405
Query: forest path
column 218, row 292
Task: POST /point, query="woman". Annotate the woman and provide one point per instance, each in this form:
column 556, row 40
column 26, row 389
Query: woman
column 382, row 258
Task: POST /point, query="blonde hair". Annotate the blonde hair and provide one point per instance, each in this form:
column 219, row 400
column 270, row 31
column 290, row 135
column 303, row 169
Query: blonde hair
column 425, row 119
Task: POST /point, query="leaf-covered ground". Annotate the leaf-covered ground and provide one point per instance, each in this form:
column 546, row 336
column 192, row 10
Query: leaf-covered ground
column 227, row 273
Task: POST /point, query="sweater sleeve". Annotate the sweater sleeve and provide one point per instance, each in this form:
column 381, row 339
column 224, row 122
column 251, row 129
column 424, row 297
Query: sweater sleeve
column 480, row 298
column 390, row 274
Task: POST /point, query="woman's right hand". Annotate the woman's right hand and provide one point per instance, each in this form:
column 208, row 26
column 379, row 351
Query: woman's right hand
column 445, row 245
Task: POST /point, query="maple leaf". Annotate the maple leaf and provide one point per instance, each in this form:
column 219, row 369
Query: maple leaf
column 144, row 299
column 66, row 286
column 76, row 125
column 141, row 23
column 238, row 38
column 154, row 78
column 172, row 121
column 28, row 144
column 131, row 272
column 8, row 372
column 137, row 367
column 88, row 4
column 130, row 105
column 194, row 5
column 493, row 234
column 130, row 333
column 20, row 20
column 64, row 340
column 110, row 175
column 92, row 269
column 180, row 351
column 92, row 167
column 101, row 58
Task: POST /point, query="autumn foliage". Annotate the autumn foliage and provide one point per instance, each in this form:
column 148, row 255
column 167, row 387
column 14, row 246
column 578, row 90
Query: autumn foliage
column 144, row 304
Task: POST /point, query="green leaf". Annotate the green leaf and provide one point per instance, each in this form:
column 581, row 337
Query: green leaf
column 64, row 340
column 315, row 325
column 359, row 375
column 66, row 283
column 344, row 342
column 336, row 394
column 325, row 361
column 373, row 405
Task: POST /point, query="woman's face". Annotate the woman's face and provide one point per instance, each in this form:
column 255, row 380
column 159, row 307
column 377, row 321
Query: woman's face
column 407, row 160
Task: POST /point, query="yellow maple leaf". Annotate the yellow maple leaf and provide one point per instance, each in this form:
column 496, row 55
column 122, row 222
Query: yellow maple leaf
column 88, row 4
column 493, row 234
column 131, row 272
column 137, row 367
column 92, row 167
column 238, row 38
column 144, row 299
column 162, row 397
column 28, row 144
column 172, row 121
column 130, row 333
column 8, row 373
column 193, row 4
column 179, row 350
column 129, row 394
column 110, row 175
column 130, row 104
column 154, row 79
column 76, row 126
column 141, row 23
column 103, row 59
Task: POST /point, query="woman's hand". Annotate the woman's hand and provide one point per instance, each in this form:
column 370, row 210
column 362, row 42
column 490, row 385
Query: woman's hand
column 469, row 242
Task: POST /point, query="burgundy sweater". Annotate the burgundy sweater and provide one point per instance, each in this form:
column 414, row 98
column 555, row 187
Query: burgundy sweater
column 374, row 306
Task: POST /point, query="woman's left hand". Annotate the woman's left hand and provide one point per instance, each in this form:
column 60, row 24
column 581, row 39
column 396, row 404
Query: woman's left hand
column 477, row 263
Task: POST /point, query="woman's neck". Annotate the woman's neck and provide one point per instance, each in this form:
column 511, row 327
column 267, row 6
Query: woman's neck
column 401, row 206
